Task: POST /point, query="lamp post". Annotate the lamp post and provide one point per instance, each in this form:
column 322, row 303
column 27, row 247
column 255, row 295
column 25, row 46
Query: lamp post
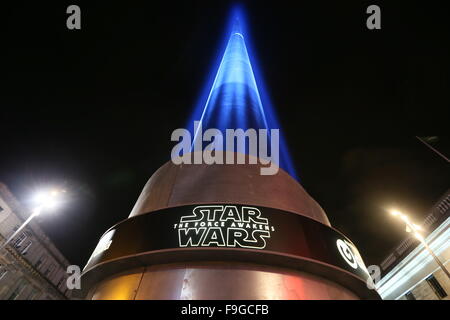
column 433, row 149
column 45, row 200
column 415, row 229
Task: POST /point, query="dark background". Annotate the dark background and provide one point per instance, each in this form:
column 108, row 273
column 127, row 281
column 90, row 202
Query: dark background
column 92, row 110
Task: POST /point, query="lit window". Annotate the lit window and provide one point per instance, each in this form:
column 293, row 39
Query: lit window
column 440, row 292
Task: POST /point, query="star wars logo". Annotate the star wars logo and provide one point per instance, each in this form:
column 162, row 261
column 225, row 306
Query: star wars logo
column 224, row 226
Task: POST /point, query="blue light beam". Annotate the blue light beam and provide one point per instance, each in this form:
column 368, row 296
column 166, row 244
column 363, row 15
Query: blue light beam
column 234, row 100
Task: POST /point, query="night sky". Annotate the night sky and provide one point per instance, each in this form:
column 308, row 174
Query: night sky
column 93, row 110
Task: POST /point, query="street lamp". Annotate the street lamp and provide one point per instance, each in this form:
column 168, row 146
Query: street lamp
column 44, row 200
column 415, row 229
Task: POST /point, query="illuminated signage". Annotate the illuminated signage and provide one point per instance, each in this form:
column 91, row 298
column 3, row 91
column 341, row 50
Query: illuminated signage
column 350, row 255
column 230, row 232
column 224, row 226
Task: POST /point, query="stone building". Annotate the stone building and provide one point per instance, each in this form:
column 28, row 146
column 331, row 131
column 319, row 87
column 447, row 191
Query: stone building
column 409, row 272
column 31, row 267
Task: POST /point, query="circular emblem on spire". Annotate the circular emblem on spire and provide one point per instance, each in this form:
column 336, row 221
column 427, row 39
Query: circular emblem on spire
column 347, row 253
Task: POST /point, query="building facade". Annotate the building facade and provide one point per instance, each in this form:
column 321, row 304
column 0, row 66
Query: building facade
column 410, row 272
column 31, row 267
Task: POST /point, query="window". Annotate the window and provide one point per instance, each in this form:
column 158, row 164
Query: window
column 3, row 271
column 49, row 270
column 41, row 261
column 410, row 296
column 33, row 293
column 19, row 240
column 17, row 291
column 60, row 282
column 26, row 247
column 440, row 292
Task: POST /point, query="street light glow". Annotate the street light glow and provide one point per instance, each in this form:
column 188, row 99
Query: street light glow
column 418, row 236
column 414, row 228
column 44, row 199
column 409, row 225
column 47, row 199
column 395, row 212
